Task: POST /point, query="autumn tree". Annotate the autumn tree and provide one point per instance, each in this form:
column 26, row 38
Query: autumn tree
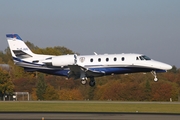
column 24, row 84
column 70, row 94
column 147, row 90
column 41, row 87
column 50, row 93
column 57, row 50
column 6, row 85
column 163, row 91
column 31, row 46
column 174, row 69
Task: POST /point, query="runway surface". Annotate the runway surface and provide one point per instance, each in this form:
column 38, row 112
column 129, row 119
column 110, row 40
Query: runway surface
column 86, row 116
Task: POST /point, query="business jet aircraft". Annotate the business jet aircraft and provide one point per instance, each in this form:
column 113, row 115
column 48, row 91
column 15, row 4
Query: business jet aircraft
column 82, row 66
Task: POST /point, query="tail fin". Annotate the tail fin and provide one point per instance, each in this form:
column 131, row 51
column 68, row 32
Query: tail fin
column 17, row 47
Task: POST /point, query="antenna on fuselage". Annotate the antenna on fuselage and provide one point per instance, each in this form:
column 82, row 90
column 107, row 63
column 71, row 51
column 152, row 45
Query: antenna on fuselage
column 95, row 53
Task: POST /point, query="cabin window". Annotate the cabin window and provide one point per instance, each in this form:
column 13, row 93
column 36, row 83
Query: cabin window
column 115, row 59
column 122, row 58
column 91, row 60
column 99, row 59
column 107, row 59
column 137, row 58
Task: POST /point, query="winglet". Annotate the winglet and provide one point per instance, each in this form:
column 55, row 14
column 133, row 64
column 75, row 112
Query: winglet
column 13, row 36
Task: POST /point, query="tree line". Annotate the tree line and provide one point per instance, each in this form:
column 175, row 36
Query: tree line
column 131, row 87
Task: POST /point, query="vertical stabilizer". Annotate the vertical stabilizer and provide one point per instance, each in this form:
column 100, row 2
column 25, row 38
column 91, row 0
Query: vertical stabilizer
column 17, row 47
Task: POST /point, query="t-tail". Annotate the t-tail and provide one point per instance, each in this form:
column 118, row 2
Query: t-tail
column 18, row 48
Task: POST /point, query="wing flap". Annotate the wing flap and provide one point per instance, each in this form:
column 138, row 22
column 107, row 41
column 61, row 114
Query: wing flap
column 76, row 71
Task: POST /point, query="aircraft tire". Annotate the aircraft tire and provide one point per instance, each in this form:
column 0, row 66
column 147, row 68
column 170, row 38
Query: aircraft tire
column 83, row 82
column 92, row 82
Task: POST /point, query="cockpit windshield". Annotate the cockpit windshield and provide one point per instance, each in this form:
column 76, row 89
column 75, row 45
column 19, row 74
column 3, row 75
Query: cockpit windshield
column 145, row 57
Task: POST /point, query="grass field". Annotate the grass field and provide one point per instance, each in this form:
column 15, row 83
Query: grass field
column 90, row 106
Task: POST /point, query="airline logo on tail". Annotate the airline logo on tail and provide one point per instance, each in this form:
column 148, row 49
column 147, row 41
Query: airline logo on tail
column 13, row 36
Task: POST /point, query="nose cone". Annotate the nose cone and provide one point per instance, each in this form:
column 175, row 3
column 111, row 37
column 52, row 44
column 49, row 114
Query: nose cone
column 166, row 66
column 162, row 66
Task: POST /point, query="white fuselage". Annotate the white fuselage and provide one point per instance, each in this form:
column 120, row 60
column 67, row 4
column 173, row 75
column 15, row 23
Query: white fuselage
column 109, row 63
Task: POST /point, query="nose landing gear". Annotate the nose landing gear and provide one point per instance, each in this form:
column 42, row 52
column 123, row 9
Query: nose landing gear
column 155, row 76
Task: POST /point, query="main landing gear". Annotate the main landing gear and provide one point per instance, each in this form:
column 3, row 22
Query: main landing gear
column 155, row 76
column 91, row 82
column 83, row 81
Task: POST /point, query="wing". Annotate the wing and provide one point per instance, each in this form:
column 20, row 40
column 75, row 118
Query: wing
column 77, row 71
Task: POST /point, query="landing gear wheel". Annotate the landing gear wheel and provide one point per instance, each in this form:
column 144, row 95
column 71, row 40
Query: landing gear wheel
column 83, row 81
column 155, row 79
column 92, row 82
column 155, row 76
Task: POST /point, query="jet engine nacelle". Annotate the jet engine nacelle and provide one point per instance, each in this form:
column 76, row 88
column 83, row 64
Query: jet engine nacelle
column 61, row 61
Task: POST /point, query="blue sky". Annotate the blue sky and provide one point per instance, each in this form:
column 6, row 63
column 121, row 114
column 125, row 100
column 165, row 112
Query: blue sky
column 150, row 27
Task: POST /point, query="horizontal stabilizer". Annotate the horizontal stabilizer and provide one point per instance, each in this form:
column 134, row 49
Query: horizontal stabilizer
column 21, row 54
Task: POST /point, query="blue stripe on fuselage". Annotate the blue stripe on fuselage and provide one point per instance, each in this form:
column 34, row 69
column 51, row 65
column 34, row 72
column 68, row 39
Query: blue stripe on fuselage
column 55, row 72
column 122, row 70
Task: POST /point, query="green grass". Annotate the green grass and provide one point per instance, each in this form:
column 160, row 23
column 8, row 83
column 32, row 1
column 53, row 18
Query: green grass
column 90, row 106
